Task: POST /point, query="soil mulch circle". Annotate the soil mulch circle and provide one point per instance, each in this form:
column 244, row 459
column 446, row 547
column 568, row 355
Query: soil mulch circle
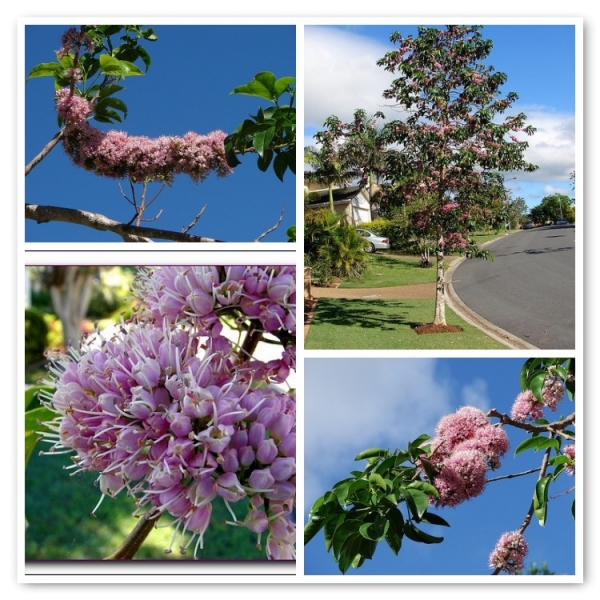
column 432, row 328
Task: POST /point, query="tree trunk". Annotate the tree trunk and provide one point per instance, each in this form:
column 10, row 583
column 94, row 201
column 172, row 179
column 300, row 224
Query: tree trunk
column 71, row 289
column 440, row 299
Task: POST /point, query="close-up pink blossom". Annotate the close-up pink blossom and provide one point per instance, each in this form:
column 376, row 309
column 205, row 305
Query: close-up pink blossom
column 167, row 411
column 509, row 553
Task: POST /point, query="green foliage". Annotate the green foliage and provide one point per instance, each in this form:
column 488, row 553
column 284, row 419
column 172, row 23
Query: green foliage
column 35, row 417
column 111, row 292
column 536, row 372
column 552, row 208
column 100, row 68
column 271, row 132
column 36, row 336
column 365, row 509
column 332, row 248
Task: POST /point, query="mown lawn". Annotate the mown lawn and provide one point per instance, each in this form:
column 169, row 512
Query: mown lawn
column 387, row 270
column 60, row 526
column 359, row 324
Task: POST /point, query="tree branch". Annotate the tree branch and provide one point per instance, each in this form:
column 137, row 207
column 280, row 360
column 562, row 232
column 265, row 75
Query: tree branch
column 130, row 233
column 262, row 235
column 556, row 427
column 45, row 151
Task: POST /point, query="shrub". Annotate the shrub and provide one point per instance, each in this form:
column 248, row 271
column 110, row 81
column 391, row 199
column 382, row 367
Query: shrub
column 332, row 248
column 36, row 336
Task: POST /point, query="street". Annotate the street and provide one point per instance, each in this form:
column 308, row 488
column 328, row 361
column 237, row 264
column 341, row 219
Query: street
column 529, row 288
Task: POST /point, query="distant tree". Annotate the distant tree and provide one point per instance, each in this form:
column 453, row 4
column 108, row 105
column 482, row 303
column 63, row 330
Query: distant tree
column 452, row 134
column 328, row 165
column 518, row 210
column 554, row 207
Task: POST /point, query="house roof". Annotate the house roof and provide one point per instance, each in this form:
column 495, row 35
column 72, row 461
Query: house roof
column 342, row 195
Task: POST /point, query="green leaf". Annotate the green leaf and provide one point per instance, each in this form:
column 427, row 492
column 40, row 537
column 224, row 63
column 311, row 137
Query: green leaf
column 129, row 68
column 434, row 519
column 34, row 426
column 263, row 140
column 264, row 161
column 110, row 65
column 535, row 383
column 312, row 528
column 282, row 84
column 540, row 498
column 45, row 70
column 375, row 531
column 537, row 443
column 395, row 531
column 280, row 164
column 416, row 535
column 378, row 480
column 371, row 453
column 425, row 487
column 416, row 500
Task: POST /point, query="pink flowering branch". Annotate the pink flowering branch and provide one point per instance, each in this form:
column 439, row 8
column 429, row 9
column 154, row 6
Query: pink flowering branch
column 530, row 512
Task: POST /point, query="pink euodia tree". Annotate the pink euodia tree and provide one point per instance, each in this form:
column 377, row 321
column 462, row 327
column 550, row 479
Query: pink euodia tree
column 453, row 133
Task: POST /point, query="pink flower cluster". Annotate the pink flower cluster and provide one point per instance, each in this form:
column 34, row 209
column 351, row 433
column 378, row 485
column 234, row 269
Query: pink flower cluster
column 115, row 154
column 72, row 40
column 169, row 411
column 509, row 553
column 527, row 407
column 465, row 447
column 569, row 452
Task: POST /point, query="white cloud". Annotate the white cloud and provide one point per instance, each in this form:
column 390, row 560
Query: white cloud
column 352, row 404
column 551, row 147
column 341, row 74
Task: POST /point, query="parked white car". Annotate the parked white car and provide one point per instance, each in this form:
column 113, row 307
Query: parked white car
column 375, row 242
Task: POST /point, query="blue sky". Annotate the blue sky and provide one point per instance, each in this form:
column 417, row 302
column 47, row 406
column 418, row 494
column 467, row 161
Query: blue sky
column 358, row 403
column 341, row 75
column 187, row 88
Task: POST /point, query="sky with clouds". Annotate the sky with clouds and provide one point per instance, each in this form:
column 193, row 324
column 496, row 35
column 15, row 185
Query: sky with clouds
column 355, row 403
column 341, row 75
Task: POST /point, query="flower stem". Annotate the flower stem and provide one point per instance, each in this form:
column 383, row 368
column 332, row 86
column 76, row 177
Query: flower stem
column 128, row 549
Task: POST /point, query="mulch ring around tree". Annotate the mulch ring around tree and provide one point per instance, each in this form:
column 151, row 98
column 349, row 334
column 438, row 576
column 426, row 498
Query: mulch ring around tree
column 433, row 328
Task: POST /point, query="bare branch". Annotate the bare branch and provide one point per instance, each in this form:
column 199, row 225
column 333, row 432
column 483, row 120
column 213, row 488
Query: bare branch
column 45, row 214
column 262, row 235
column 195, row 220
column 44, row 151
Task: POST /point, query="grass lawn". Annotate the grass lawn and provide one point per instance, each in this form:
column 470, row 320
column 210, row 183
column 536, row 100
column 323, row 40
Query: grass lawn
column 386, row 270
column 359, row 324
column 60, row 526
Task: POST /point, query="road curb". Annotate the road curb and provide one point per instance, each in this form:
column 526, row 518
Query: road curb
column 471, row 317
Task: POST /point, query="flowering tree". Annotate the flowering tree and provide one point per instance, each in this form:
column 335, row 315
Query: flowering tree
column 87, row 74
column 452, row 134
column 393, row 497
column 175, row 411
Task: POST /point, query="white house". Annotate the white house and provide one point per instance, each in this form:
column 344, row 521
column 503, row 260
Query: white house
column 351, row 200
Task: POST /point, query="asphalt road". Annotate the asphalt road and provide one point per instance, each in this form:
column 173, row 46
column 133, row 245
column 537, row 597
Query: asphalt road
column 529, row 288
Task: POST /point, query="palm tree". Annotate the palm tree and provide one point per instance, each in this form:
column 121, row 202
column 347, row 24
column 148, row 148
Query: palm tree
column 329, row 165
